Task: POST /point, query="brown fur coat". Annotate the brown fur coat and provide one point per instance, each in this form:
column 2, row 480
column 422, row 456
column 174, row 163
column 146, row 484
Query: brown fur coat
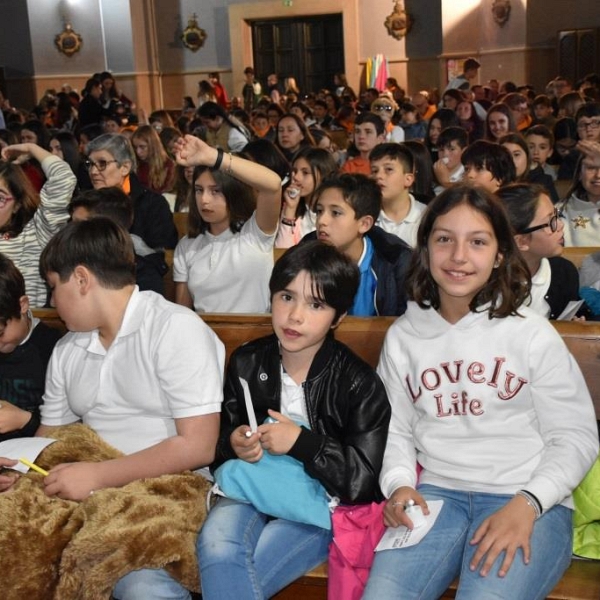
column 64, row 550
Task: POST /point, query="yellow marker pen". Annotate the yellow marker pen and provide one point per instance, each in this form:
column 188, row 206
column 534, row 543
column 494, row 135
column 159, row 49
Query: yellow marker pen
column 34, row 467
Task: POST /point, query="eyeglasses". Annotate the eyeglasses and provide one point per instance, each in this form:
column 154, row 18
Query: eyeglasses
column 100, row 164
column 590, row 168
column 381, row 107
column 552, row 223
column 593, row 124
column 4, row 200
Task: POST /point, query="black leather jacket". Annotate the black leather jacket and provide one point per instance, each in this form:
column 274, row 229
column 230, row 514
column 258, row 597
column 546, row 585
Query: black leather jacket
column 348, row 412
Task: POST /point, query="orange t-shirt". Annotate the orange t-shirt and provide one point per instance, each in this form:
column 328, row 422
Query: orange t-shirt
column 357, row 165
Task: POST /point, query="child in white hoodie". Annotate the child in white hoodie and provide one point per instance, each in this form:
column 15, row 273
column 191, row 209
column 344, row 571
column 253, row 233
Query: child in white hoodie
column 487, row 399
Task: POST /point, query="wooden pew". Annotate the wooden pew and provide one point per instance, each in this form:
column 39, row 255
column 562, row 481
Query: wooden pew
column 181, row 223
column 576, row 254
column 168, row 276
column 365, row 336
column 562, row 188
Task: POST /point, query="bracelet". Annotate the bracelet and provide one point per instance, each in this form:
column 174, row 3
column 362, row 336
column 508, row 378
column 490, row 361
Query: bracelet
column 532, row 501
column 536, row 500
column 219, row 159
column 288, row 222
column 230, row 163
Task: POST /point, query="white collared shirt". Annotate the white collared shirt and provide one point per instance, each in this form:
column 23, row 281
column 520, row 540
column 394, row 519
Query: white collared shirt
column 540, row 283
column 229, row 272
column 164, row 364
column 455, row 177
column 406, row 229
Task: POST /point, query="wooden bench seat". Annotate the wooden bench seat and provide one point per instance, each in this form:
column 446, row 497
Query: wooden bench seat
column 365, row 336
column 580, row 582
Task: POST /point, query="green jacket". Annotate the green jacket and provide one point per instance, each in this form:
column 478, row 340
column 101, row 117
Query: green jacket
column 586, row 519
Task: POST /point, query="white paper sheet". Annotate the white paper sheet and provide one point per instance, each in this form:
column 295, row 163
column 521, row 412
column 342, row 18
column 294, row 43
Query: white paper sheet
column 570, row 310
column 249, row 408
column 28, row 447
column 401, row 537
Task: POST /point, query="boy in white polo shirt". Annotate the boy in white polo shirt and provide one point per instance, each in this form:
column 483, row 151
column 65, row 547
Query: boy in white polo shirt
column 144, row 373
column 392, row 169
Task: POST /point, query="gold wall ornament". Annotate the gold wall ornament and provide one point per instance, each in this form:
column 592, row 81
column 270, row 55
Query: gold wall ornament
column 501, row 11
column 193, row 36
column 68, row 41
column 399, row 22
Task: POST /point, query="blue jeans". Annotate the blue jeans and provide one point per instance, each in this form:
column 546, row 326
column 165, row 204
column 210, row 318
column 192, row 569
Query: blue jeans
column 244, row 553
column 426, row 570
column 147, row 584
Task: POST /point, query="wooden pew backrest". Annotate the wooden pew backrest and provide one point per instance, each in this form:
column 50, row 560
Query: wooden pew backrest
column 576, row 254
column 365, row 336
column 181, row 223
column 562, row 188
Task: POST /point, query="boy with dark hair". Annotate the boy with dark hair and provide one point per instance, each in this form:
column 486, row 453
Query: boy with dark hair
column 393, row 168
column 587, row 118
column 321, row 114
column 540, row 141
column 144, row 373
column 347, row 207
column 25, row 348
column 252, row 90
column 448, row 169
column 463, row 81
column 369, row 130
column 112, row 202
column 488, row 165
column 415, row 128
column 543, row 111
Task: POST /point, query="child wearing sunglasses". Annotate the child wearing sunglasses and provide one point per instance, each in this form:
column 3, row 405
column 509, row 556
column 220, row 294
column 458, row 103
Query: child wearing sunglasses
column 385, row 108
column 539, row 236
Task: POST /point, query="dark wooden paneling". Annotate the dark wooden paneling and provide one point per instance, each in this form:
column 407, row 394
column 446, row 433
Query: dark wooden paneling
column 311, row 49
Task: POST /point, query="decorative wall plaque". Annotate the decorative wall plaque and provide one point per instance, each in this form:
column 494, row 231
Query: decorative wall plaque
column 193, row 36
column 501, row 11
column 398, row 23
column 68, row 41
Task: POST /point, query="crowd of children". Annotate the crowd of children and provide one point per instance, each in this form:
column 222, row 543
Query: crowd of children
column 457, row 231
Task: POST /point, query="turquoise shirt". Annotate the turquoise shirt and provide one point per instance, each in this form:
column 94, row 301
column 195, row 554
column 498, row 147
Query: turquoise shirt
column 364, row 301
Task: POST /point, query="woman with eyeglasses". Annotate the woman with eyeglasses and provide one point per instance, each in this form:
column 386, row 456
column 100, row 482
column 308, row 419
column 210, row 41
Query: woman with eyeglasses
column 539, row 235
column 28, row 220
column 385, row 108
column 582, row 207
column 111, row 163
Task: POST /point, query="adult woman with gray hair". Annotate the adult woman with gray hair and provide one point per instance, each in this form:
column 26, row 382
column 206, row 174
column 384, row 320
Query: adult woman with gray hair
column 111, row 163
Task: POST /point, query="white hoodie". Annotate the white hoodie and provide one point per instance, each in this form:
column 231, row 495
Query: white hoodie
column 484, row 405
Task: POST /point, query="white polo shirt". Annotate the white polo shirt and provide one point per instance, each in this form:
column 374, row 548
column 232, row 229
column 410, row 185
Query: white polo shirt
column 406, row 230
column 455, row 177
column 227, row 273
column 164, row 364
